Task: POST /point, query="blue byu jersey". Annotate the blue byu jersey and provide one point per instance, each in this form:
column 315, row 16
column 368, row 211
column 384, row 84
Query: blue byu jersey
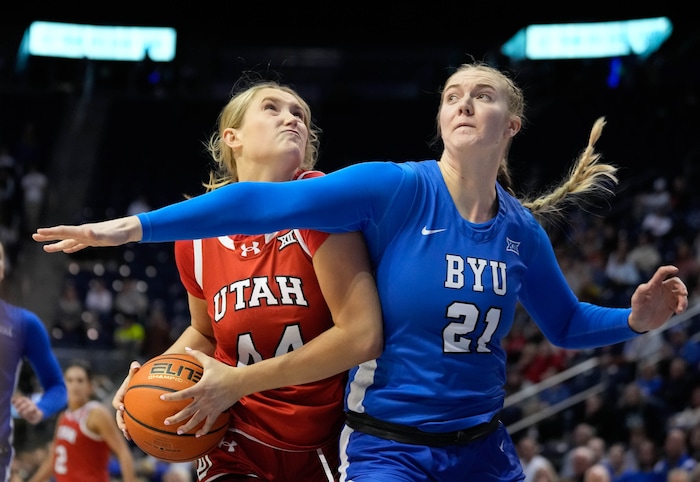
column 448, row 288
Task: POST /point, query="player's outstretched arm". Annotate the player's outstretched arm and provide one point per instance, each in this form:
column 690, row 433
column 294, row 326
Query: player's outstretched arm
column 70, row 239
column 655, row 301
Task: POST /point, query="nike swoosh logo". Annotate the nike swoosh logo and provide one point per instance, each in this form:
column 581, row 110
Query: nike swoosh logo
column 425, row 231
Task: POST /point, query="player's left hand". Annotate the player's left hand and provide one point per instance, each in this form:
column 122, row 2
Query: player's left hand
column 213, row 394
column 27, row 409
column 655, row 301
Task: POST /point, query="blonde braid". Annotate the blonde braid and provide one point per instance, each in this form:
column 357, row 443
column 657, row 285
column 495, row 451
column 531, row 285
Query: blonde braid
column 587, row 176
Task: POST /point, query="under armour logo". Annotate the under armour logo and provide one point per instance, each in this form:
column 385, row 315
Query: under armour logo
column 286, row 239
column 245, row 249
column 513, row 246
column 229, row 446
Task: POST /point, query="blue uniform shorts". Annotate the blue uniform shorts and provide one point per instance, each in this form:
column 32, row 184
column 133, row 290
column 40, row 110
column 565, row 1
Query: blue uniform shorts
column 368, row 458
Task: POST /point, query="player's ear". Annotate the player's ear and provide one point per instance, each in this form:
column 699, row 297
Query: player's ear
column 231, row 138
column 514, row 126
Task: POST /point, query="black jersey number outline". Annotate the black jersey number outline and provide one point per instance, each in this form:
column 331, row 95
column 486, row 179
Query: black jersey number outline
column 457, row 336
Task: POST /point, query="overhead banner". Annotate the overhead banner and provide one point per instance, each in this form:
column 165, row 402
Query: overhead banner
column 589, row 40
column 97, row 42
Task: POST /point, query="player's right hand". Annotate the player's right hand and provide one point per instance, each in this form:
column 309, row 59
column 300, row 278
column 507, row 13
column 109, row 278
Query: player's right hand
column 118, row 400
column 70, row 239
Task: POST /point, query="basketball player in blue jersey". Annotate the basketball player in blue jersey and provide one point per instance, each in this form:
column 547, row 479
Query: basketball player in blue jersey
column 23, row 337
column 454, row 252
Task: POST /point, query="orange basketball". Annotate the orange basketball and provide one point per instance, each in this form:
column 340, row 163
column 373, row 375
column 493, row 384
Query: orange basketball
column 144, row 411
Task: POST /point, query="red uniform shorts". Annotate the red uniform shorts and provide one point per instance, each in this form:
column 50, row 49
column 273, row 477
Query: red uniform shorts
column 242, row 455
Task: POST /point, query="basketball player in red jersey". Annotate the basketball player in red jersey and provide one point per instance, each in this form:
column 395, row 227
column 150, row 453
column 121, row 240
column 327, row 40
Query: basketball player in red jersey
column 85, row 436
column 256, row 297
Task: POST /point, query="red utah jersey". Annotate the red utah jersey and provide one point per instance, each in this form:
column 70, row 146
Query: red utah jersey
column 264, row 300
column 79, row 454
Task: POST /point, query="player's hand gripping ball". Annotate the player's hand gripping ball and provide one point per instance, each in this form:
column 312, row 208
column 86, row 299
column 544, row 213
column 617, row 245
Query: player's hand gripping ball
column 144, row 411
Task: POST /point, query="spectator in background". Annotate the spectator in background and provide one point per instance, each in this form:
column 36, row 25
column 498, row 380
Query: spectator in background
column 582, row 458
column 159, row 334
column 645, row 255
column 599, row 447
column 540, row 359
column 623, row 275
column 531, row 457
column 689, row 417
column 579, row 437
column 678, row 475
column 686, row 261
column 635, row 412
column 656, row 197
column 597, row 473
column 675, row 454
column 643, row 349
column 659, row 224
column 616, row 461
column 598, row 413
column 99, row 299
column 129, row 337
column 68, row 329
column 99, row 302
column 681, row 345
column 646, row 456
column 694, row 442
column 677, row 382
column 26, row 462
column 34, row 185
column 546, row 474
column 132, row 300
column 649, row 379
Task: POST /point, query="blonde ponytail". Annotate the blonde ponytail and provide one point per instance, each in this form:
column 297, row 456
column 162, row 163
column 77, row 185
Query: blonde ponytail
column 588, row 177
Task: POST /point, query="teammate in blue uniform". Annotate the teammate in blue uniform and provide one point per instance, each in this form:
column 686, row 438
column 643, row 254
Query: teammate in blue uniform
column 454, row 252
column 23, row 337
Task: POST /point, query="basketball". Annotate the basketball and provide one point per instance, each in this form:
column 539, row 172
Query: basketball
column 144, row 411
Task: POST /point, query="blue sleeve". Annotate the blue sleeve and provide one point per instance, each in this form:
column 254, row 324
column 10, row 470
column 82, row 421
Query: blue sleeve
column 563, row 319
column 351, row 199
column 46, row 367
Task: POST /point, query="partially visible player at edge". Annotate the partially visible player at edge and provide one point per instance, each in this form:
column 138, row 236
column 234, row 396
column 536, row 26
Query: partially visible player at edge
column 23, row 338
column 85, row 436
column 454, row 252
column 252, row 298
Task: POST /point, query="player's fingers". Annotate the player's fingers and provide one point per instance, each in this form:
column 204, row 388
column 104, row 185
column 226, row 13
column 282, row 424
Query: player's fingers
column 208, row 424
column 662, row 273
column 133, row 368
column 122, row 425
column 65, row 245
column 190, row 424
column 184, row 394
column 76, row 248
column 118, row 400
column 199, row 356
column 182, row 415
